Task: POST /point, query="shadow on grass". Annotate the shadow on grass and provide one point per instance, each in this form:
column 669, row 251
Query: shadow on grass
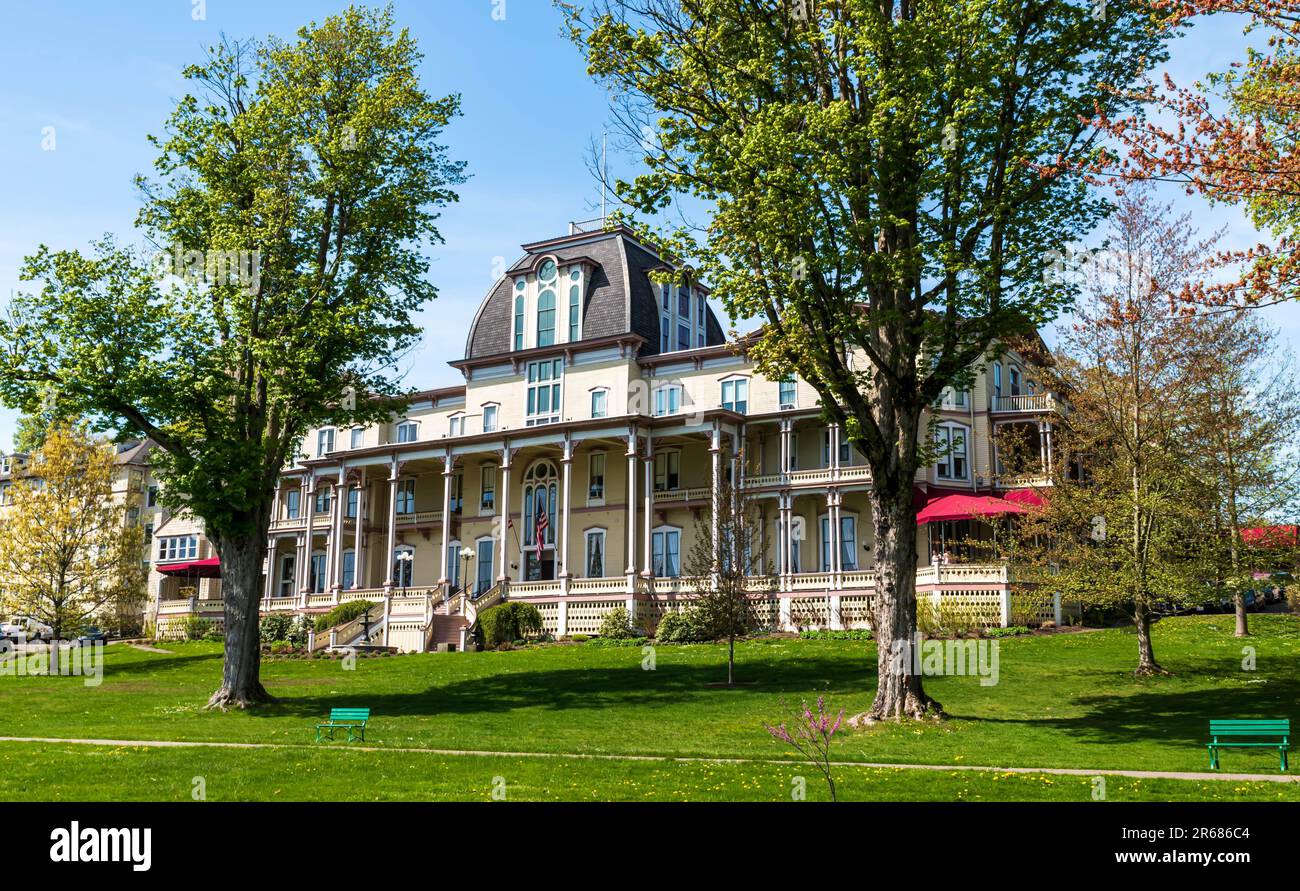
column 580, row 689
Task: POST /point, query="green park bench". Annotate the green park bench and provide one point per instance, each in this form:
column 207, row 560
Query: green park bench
column 1240, row 734
column 349, row 718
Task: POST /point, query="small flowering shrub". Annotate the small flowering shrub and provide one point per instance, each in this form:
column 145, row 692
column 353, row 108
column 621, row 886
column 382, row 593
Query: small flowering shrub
column 809, row 733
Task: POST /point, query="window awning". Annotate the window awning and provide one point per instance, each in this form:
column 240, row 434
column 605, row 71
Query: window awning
column 200, row 569
column 967, row 507
column 1027, row 497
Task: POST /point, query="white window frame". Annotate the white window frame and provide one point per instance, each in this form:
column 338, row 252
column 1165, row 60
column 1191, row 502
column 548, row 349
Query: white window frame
column 944, row 468
column 597, row 532
column 849, row 557
column 487, row 486
column 663, row 400
column 324, row 441
column 601, row 394
column 534, row 384
column 596, row 500
column 403, row 570
column 456, row 424
column 358, row 437
column 659, row 538
column 737, row 383
column 491, row 412
column 671, row 467
column 401, row 501
column 406, row 430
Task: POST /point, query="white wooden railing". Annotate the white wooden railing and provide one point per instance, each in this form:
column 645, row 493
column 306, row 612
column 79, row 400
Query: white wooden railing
column 1025, row 402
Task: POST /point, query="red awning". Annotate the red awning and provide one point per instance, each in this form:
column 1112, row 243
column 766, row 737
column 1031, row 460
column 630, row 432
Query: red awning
column 1270, row 536
column 200, row 569
column 967, row 507
column 1028, row 497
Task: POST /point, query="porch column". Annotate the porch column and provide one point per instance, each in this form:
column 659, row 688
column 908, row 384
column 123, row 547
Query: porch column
column 833, row 447
column 447, row 473
column 337, row 542
column 390, row 549
column 1042, row 445
column 1047, row 439
column 270, row 568
column 504, row 574
column 715, row 450
column 309, row 535
column 359, row 529
column 566, row 471
column 275, row 503
column 630, row 569
column 784, row 469
column 648, row 467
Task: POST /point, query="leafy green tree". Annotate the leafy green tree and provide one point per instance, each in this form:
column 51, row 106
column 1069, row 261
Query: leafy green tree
column 1241, row 440
column 295, row 197
column 885, row 180
column 69, row 551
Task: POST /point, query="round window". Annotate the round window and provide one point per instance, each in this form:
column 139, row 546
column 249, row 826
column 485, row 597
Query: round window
column 547, row 272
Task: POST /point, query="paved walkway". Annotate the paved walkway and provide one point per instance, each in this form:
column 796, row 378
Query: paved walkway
column 1063, row 771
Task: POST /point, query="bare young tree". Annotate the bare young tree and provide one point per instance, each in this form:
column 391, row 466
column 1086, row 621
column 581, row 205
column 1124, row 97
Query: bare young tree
column 727, row 574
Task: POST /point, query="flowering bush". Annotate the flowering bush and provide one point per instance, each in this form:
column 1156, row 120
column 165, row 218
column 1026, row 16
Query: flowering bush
column 810, row 734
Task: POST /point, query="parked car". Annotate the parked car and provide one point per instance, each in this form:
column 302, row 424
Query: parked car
column 90, row 635
column 24, row 629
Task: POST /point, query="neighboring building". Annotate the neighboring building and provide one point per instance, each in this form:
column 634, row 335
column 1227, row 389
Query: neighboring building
column 133, row 482
column 598, row 410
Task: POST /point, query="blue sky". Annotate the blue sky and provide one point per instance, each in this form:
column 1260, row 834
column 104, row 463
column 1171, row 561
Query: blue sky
column 104, row 75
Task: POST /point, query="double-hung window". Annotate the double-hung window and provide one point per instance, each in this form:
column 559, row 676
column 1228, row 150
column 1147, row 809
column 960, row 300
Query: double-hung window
column 667, row 471
column 488, row 489
column 406, row 496
column 787, row 391
column 665, row 545
column 735, row 395
column 596, row 478
column 544, row 380
column 293, row 504
column 324, row 442
column 668, row 400
column 456, row 425
column 599, row 403
column 950, row 444
column 358, row 437
column 408, row 431
column 595, row 562
column 489, row 418
column 178, row 547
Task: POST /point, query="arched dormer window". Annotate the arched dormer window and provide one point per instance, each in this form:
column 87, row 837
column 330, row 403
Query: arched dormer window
column 519, row 314
column 546, row 318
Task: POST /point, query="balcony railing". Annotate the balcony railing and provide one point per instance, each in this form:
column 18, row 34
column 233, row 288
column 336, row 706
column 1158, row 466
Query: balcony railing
column 1024, row 403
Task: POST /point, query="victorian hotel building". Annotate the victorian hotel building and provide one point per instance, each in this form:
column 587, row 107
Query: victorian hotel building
column 573, row 468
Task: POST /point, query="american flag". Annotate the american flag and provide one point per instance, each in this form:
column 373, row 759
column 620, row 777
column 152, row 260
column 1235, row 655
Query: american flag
column 540, row 533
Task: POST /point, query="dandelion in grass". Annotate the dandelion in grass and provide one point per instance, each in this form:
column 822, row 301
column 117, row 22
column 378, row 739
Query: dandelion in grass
column 810, row 735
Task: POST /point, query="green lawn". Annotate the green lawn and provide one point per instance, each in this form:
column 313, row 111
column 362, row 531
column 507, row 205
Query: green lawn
column 1062, row 701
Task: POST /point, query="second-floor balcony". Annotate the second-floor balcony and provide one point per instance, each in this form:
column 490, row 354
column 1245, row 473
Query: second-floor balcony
column 1025, row 403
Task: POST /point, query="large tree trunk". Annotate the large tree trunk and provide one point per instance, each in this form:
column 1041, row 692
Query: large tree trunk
column 1147, row 664
column 241, row 576
column 898, row 690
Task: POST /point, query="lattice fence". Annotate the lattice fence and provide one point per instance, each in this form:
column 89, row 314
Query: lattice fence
column 550, row 617
column 855, row 611
column 585, row 616
column 954, row 610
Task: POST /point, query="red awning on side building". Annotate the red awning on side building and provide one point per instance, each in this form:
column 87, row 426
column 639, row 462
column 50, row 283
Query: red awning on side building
column 967, row 507
column 199, row 569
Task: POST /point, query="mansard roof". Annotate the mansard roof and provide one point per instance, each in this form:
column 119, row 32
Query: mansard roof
column 620, row 298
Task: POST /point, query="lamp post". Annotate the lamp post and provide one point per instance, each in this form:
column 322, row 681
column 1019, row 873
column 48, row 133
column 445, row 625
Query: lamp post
column 405, row 559
column 466, row 554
